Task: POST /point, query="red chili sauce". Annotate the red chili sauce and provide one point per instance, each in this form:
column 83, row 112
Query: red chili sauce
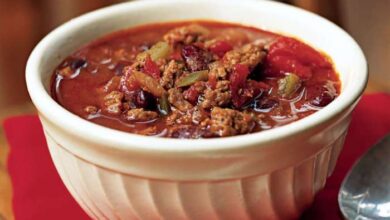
column 195, row 79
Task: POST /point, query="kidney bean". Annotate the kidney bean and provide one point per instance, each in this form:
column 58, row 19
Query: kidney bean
column 323, row 99
column 144, row 100
column 141, row 99
column 77, row 63
column 196, row 59
column 264, row 105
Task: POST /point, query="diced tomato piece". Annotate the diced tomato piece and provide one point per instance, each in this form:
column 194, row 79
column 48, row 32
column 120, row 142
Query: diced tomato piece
column 279, row 65
column 220, row 48
column 241, row 71
column 191, row 94
column 238, row 76
column 290, row 55
column 301, row 51
column 151, row 68
column 237, row 82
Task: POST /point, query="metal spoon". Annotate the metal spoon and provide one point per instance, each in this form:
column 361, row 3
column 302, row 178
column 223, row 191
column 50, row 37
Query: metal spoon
column 365, row 192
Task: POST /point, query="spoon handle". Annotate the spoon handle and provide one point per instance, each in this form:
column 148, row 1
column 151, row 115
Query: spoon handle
column 365, row 192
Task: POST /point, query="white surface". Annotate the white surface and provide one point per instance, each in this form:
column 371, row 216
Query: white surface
column 277, row 153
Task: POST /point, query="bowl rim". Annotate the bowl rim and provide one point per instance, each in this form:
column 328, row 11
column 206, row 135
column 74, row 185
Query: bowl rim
column 120, row 140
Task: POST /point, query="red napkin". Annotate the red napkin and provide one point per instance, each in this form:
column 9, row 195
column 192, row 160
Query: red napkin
column 40, row 194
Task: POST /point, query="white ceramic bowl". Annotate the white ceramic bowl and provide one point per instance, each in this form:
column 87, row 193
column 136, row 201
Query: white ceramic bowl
column 268, row 175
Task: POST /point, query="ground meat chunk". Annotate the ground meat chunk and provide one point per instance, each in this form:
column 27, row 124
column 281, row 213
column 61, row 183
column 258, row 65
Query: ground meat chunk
column 172, row 117
column 112, row 84
column 139, row 114
column 177, row 117
column 113, row 102
column 184, row 131
column 187, row 34
column 199, row 115
column 176, row 98
column 220, row 96
column 250, row 55
column 228, row 122
column 90, row 109
column 170, row 73
column 218, row 70
column 194, row 116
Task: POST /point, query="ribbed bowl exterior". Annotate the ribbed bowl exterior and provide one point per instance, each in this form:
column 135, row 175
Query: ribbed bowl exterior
column 281, row 194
